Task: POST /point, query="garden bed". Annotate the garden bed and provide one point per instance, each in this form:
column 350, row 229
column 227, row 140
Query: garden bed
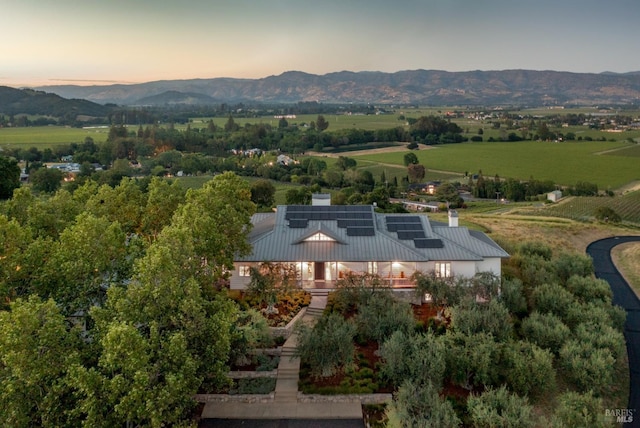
column 361, row 379
column 287, row 307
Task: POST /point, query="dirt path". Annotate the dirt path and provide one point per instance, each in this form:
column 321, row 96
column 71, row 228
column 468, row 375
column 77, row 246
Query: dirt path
column 390, row 149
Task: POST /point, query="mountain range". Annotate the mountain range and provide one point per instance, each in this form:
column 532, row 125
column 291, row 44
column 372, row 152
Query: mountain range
column 32, row 102
column 423, row 87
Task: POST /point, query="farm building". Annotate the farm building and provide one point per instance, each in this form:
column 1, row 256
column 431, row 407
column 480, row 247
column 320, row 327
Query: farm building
column 554, row 196
column 325, row 242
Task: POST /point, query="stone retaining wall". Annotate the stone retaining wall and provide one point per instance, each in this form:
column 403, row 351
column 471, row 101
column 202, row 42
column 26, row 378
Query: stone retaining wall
column 302, row 398
column 286, row 330
column 345, row 398
column 237, row 398
column 252, row 374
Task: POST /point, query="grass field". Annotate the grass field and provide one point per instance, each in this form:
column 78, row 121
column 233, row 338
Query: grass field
column 44, row 137
column 564, row 163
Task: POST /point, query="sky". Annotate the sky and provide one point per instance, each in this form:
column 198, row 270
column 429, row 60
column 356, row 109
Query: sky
column 52, row 42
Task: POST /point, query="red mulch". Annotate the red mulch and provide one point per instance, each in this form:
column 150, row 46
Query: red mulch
column 455, row 391
column 424, row 312
column 368, row 354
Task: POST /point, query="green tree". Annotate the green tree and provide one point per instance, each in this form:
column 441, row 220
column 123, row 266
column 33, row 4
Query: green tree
column 419, row 358
column 231, row 125
column 327, row 347
column 160, row 339
column 381, row 315
column 217, row 220
column 123, row 204
column 416, row 172
column 512, row 296
column 607, row 214
column 49, row 217
column 321, row 123
column 492, row 318
column 263, row 193
column 90, row 256
column 527, row 368
column 420, row 406
column 567, row 265
column 9, row 176
column 163, row 199
column 588, row 289
column 587, row 366
column 46, row 179
column 500, row 408
column 410, row 159
column 36, row 353
column 471, row 359
column 545, row 330
column 579, row 410
column 553, row 299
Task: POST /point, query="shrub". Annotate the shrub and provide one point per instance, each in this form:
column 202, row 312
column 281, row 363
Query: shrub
column 545, row 330
column 567, row 265
column 419, row 357
column 381, row 315
column 471, row 359
column 328, row 347
column 553, row 299
column 248, row 332
column 512, row 296
column 579, row 410
column 492, row 318
column 420, row 406
column 528, row 369
column 587, row 366
column 500, row 408
column 607, row 214
column 590, row 290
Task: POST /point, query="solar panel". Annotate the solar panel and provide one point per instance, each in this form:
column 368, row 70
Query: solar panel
column 428, row 243
column 298, row 223
column 395, row 227
column 350, row 222
column 410, row 234
column 403, row 219
column 361, row 231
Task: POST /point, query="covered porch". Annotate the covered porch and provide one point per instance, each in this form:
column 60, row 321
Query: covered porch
column 324, row 275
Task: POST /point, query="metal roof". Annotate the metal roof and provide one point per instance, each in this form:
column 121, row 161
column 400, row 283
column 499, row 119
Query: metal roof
column 274, row 240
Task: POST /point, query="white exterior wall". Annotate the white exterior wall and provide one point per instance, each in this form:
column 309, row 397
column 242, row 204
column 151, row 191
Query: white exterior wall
column 490, row 265
column 237, row 282
column 384, row 269
column 466, row 269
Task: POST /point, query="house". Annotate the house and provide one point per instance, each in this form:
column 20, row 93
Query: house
column 554, row 196
column 324, row 242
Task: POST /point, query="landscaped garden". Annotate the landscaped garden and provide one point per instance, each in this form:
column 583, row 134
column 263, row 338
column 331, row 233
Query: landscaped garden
column 540, row 346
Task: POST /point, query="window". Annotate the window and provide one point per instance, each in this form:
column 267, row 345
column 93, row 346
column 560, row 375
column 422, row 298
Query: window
column 319, row 237
column 244, row 270
column 443, row 269
column 372, row 268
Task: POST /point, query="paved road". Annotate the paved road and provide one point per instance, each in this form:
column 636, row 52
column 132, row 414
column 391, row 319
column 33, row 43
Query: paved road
column 600, row 252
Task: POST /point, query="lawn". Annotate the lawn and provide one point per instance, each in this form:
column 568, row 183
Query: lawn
column 564, row 163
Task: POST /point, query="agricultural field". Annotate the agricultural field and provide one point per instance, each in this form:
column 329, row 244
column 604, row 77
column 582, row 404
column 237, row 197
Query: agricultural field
column 583, row 208
column 44, row 137
column 564, row 163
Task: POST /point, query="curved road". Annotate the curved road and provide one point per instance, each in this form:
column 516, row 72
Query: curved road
column 623, row 296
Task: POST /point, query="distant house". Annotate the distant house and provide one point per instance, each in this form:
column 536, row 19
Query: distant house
column 554, row 196
column 325, row 242
column 284, row 160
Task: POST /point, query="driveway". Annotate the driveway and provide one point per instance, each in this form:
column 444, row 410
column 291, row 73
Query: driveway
column 600, row 252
